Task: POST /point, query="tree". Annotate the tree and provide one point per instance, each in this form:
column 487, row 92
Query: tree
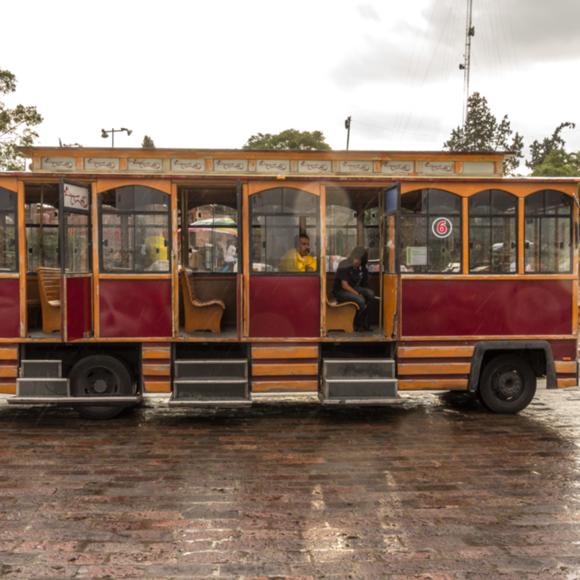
column 147, row 143
column 555, row 144
column 558, row 163
column 482, row 132
column 289, row 139
column 16, row 125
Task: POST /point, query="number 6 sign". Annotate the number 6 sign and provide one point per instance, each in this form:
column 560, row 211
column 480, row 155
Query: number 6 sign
column 441, row 227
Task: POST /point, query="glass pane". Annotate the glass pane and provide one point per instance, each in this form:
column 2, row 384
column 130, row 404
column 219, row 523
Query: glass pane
column 213, row 249
column 285, row 231
column 443, row 203
column 50, row 248
column 504, row 245
column 564, row 245
column 340, row 242
column 413, row 241
column 337, row 215
column 372, row 244
column 445, row 253
column 532, row 244
column 534, row 204
column 371, row 216
column 77, row 243
column 151, row 243
column 33, row 249
column 479, row 245
column 503, row 203
column 480, row 204
column 7, row 243
column 414, row 202
column 118, row 243
column 557, row 203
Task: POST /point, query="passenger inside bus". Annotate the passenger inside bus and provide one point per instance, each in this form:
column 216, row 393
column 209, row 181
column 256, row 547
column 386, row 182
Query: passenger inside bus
column 351, row 285
column 298, row 259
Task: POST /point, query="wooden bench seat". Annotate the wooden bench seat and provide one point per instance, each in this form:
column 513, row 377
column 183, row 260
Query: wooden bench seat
column 340, row 315
column 49, row 291
column 198, row 314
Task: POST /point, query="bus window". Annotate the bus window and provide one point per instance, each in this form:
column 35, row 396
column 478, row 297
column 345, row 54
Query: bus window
column 493, row 233
column 134, row 230
column 213, row 238
column 430, row 232
column 8, row 262
column 41, row 216
column 548, row 232
column 282, row 220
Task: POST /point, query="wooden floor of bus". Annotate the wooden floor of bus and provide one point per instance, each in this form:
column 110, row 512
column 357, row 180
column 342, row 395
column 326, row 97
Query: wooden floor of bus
column 227, row 334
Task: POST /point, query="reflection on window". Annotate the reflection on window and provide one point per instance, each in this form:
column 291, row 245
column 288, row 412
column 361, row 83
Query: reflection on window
column 343, row 225
column 430, row 232
column 493, row 233
column 77, row 243
column 213, row 238
column 284, row 231
column 548, row 232
column 135, row 230
column 41, row 219
column 8, row 261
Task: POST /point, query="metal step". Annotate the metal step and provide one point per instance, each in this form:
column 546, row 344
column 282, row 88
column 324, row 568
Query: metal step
column 211, row 390
column 47, row 369
column 211, row 369
column 359, row 389
column 42, row 387
column 359, row 368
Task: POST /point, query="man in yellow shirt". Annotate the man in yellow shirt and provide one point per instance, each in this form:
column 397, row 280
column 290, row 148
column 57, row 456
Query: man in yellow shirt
column 298, row 259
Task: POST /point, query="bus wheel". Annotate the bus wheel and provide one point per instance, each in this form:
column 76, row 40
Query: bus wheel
column 507, row 385
column 100, row 376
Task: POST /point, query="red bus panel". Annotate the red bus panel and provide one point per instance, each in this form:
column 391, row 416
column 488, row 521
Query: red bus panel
column 285, row 306
column 9, row 308
column 481, row 307
column 78, row 307
column 135, row 308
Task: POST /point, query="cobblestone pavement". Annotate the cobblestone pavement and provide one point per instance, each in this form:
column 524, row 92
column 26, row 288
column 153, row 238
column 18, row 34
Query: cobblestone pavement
column 433, row 488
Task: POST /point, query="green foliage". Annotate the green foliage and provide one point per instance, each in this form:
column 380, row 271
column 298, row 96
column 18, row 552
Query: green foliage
column 540, row 150
column 289, row 139
column 558, row 163
column 147, row 143
column 483, row 133
column 16, row 125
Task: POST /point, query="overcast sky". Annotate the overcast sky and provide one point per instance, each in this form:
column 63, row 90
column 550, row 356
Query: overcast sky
column 210, row 74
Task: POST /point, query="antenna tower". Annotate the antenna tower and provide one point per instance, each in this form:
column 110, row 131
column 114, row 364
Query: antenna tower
column 465, row 66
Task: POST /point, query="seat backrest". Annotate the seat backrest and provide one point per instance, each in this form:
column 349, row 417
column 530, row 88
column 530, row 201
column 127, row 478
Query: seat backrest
column 187, row 287
column 49, row 283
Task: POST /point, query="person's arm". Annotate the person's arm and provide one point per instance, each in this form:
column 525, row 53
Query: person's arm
column 346, row 286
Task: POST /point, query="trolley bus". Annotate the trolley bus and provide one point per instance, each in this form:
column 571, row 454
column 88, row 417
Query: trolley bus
column 209, row 277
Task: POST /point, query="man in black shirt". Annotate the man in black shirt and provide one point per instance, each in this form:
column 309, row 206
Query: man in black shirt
column 350, row 285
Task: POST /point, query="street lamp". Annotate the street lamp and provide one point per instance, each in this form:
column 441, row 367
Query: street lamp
column 106, row 132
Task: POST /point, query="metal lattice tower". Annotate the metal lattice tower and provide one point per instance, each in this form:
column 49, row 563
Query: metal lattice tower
column 465, row 66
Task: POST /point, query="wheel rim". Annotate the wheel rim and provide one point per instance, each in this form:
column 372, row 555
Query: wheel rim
column 508, row 384
column 100, row 381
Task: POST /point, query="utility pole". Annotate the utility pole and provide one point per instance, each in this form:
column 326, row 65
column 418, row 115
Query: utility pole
column 347, row 127
column 465, row 66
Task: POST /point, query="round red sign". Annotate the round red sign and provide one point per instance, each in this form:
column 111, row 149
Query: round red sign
column 441, row 227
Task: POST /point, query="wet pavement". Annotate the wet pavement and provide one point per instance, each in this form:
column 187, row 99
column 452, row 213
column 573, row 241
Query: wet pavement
column 434, row 488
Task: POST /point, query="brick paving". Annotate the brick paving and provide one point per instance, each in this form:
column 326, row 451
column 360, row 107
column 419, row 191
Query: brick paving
column 435, row 488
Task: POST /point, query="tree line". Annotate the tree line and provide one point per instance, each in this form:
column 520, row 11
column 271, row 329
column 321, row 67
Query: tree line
column 481, row 132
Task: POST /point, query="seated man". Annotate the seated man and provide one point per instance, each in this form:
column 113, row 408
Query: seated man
column 298, row 259
column 350, row 285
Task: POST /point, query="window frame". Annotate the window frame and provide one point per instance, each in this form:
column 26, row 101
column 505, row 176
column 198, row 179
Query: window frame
column 134, row 212
column 539, row 217
column 427, row 216
column 14, row 213
column 252, row 227
column 491, row 216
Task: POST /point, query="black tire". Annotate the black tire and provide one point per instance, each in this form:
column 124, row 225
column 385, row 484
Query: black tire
column 507, row 384
column 100, row 376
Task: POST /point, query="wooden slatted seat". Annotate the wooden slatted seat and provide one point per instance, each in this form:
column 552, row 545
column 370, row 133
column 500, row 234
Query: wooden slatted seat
column 49, row 291
column 200, row 315
column 340, row 315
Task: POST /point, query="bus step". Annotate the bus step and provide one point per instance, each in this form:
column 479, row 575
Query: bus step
column 359, row 368
column 41, row 369
column 210, row 391
column 42, row 387
column 358, row 391
column 221, row 369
